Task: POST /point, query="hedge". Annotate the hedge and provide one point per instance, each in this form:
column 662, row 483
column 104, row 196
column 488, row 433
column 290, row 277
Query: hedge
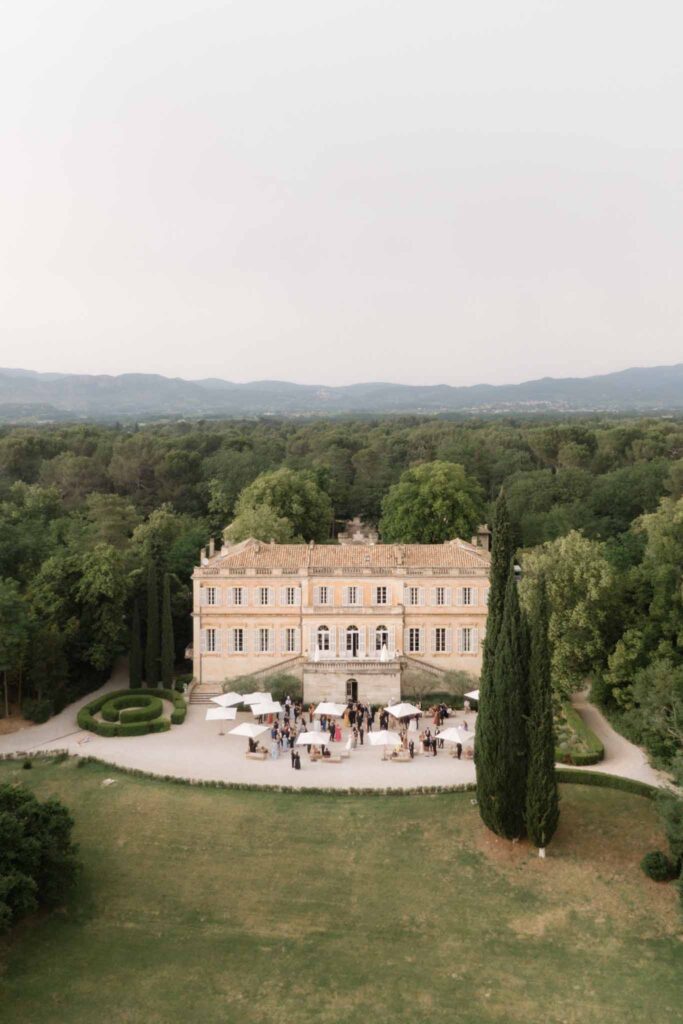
column 594, row 751
column 607, row 781
column 127, row 707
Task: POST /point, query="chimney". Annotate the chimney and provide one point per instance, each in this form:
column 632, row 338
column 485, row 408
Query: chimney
column 212, row 548
column 202, row 556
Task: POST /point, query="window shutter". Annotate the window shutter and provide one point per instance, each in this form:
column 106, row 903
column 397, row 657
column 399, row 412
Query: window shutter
column 406, row 595
column 421, row 595
column 316, row 595
column 231, row 641
column 421, row 636
column 449, row 596
column 257, row 647
column 310, row 640
column 458, row 596
column 271, row 640
column 229, row 596
column 475, row 595
column 202, row 641
column 218, row 641
column 359, row 595
column 475, row 641
column 459, row 637
column 271, row 595
column 486, row 596
column 361, row 641
column 297, row 640
column 283, row 596
column 219, row 595
column 432, row 596
column 406, row 641
column 283, row 641
column 392, row 640
column 245, row 595
column 203, row 596
column 297, row 596
column 255, row 595
column 449, row 640
column 346, row 595
column 433, row 632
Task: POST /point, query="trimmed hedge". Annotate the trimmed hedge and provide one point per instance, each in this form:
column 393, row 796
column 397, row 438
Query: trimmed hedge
column 607, row 781
column 657, row 866
column 133, row 712
column 593, row 749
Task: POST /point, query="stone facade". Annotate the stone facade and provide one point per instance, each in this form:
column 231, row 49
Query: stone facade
column 339, row 613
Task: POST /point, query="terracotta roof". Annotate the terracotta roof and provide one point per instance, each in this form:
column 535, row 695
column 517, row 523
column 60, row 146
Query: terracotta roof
column 252, row 554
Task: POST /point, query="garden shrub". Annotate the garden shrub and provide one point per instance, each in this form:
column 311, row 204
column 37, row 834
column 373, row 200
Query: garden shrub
column 128, row 707
column 37, row 710
column 576, row 743
column 658, row 866
column 606, row 781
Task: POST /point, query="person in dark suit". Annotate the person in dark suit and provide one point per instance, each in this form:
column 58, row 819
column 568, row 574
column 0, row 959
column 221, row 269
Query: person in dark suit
column 458, row 750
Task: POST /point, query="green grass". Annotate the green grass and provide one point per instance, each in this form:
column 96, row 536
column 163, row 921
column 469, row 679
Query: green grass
column 219, row 906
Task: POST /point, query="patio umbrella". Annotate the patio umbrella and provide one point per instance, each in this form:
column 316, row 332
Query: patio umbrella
column 455, row 735
column 270, row 707
column 473, row 695
column 384, row 738
column 330, row 709
column 256, row 696
column 403, row 710
column 220, row 714
column 249, row 729
column 313, row 739
column 226, row 700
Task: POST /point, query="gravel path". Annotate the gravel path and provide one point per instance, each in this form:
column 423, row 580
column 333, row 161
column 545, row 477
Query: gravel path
column 203, row 750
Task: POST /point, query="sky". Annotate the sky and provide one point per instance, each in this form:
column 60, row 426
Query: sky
column 331, row 191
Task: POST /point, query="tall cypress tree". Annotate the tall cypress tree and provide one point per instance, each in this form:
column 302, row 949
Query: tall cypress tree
column 167, row 642
column 152, row 644
column 135, row 651
column 501, row 556
column 501, row 737
column 542, row 800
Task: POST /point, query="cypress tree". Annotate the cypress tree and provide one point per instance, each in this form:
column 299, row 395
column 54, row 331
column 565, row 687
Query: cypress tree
column 135, row 652
column 501, row 556
column 152, row 644
column 167, row 642
column 501, row 738
column 542, row 801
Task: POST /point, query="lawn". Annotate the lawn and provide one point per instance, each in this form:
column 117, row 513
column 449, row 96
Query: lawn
column 216, row 906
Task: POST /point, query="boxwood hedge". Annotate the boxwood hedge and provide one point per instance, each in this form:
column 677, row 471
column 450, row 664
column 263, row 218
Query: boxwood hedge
column 132, row 714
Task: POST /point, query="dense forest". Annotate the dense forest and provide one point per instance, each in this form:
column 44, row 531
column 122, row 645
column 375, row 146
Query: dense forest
column 88, row 513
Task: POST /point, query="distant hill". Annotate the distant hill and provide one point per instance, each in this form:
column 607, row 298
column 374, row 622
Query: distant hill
column 27, row 396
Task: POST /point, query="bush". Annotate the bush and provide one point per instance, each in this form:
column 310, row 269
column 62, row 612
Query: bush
column 658, row 867
column 577, row 744
column 607, row 781
column 182, row 682
column 27, row 764
column 36, row 710
column 670, row 807
column 125, row 704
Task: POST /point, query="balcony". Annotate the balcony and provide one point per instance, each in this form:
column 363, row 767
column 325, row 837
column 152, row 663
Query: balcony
column 370, row 658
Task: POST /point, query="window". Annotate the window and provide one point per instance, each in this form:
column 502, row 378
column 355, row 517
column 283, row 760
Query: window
column 263, row 595
column 381, row 595
column 467, row 595
column 238, row 595
column 413, row 595
column 322, row 596
column 441, row 595
column 211, row 595
column 323, row 638
column 291, row 644
column 381, row 638
column 263, row 641
column 352, row 595
column 414, row 639
column 466, row 640
column 211, row 641
column 440, row 640
column 290, row 595
column 352, row 641
column 238, row 644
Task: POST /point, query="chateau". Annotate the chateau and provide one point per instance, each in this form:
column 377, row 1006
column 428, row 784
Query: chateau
column 347, row 618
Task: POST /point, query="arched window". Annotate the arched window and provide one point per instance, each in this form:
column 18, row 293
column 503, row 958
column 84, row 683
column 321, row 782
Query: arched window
column 352, row 641
column 323, row 638
column 381, row 638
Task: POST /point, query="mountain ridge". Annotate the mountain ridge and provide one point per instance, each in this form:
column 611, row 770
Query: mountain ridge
column 32, row 395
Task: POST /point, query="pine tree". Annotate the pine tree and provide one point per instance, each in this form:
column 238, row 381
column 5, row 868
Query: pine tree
column 135, row 651
column 542, row 801
column 152, row 644
column 167, row 642
column 501, row 738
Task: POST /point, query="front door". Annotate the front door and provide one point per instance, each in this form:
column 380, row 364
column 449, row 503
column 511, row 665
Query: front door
column 352, row 642
column 352, row 690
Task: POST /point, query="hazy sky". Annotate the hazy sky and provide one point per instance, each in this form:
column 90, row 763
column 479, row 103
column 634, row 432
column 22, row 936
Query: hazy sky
column 341, row 190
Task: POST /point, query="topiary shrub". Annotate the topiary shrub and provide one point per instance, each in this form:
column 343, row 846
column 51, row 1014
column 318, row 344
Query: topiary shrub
column 658, row 866
column 36, row 710
column 136, row 713
column 132, row 708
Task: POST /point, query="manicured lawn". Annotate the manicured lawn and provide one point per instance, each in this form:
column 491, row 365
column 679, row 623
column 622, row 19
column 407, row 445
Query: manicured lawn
column 211, row 906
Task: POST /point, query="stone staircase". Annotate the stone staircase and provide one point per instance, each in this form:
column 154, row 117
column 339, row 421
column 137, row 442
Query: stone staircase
column 203, row 692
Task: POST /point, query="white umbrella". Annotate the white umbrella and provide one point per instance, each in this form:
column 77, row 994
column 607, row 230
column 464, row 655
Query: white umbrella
column 455, row 735
column 250, row 729
column 384, row 738
column 272, row 707
column 403, row 710
column 473, row 695
column 256, row 696
column 220, row 714
column 227, row 699
column 313, row 739
column 330, row 709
